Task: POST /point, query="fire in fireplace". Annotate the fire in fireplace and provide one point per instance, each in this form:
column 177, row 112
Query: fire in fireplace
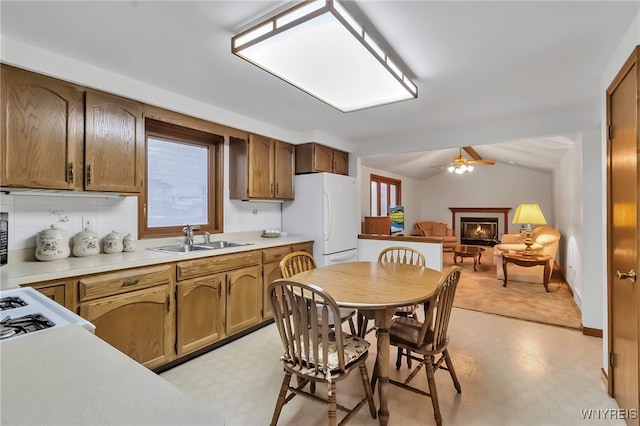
column 479, row 230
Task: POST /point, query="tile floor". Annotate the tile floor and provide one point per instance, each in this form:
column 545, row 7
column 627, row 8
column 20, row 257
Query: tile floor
column 512, row 372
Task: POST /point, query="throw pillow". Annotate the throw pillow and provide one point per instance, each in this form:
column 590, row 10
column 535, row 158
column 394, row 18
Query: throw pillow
column 439, row 229
column 545, row 239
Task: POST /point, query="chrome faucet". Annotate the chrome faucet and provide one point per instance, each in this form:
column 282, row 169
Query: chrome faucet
column 188, row 231
column 207, row 237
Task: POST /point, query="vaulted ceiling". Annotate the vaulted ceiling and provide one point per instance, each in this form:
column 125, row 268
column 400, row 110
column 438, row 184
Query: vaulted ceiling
column 515, row 80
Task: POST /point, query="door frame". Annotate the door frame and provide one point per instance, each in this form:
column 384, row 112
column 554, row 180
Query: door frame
column 634, row 59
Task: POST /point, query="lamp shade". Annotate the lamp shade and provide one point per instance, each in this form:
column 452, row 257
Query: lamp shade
column 529, row 214
column 319, row 47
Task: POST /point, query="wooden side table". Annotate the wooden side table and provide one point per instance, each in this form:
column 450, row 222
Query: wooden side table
column 462, row 251
column 527, row 262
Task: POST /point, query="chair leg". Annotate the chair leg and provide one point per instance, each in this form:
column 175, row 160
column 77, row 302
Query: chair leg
column 374, row 376
column 399, row 358
column 452, row 371
column 432, row 389
column 331, row 400
column 281, row 398
column 364, row 374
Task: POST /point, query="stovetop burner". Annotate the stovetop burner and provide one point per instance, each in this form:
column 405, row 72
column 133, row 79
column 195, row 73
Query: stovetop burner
column 10, row 327
column 11, row 302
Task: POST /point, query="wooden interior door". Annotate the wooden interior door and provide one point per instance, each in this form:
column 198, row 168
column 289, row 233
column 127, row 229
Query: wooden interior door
column 623, row 245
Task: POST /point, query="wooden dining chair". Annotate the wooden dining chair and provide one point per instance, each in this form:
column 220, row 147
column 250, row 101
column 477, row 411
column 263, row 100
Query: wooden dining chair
column 408, row 256
column 300, row 261
column 314, row 351
column 429, row 339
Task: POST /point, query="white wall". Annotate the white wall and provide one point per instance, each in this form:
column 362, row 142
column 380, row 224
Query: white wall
column 567, row 200
column 596, row 159
column 410, row 191
column 487, row 186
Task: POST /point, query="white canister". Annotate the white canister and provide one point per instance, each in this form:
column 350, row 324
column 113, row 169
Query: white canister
column 52, row 244
column 113, row 242
column 129, row 243
column 85, row 243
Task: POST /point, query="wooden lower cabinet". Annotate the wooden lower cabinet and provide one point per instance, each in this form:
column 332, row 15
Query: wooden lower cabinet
column 270, row 273
column 138, row 323
column 132, row 310
column 244, row 299
column 54, row 290
column 199, row 312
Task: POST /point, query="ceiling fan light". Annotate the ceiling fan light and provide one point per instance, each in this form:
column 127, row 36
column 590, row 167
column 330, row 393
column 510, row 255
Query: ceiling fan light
column 459, row 170
column 451, row 169
column 469, row 168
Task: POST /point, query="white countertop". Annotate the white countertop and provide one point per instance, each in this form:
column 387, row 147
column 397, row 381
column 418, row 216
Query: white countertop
column 68, row 376
column 17, row 273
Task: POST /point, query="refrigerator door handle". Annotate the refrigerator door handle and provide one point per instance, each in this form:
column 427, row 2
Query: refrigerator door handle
column 326, row 228
column 335, row 259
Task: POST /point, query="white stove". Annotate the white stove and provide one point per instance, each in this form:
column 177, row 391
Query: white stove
column 25, row 310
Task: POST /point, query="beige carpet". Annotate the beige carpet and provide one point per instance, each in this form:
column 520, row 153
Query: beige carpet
column 482, row 291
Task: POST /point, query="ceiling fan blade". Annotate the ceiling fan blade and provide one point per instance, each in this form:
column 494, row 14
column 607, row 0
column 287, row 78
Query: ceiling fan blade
column 472, row 152
column 482, row 162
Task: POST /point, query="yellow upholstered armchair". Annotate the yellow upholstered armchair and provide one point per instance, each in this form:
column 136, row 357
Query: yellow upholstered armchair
column 545, row 241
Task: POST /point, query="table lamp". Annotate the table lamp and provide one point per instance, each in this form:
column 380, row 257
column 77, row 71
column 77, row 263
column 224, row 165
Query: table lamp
column 528, row 214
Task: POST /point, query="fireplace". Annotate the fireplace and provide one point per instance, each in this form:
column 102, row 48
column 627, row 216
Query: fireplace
column 479, row 230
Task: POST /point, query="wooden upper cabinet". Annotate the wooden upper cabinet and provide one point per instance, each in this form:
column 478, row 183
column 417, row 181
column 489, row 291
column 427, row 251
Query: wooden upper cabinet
column 260, row 168
column 114, row 143
column 42, row 131
column 313, row 157
column 284, row 162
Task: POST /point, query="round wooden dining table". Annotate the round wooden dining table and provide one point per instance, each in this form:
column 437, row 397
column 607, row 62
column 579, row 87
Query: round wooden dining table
column 376, row 290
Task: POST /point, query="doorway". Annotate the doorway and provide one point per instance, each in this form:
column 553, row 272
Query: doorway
column 623, row 304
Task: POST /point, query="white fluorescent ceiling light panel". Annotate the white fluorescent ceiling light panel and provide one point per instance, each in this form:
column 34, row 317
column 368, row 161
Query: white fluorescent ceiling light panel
column 319, row 48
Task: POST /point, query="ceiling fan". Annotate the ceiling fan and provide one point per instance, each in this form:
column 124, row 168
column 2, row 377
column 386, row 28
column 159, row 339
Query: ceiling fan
column 461, row 164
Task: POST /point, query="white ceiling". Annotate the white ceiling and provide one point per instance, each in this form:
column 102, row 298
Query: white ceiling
column 515, row 80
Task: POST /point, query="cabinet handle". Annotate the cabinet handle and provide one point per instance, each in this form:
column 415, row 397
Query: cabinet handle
column 70, row 172
column 168, row 304
column 277, row 190
column 128, row 283
column 271, row 189
column 219, row 291
column 89, row 174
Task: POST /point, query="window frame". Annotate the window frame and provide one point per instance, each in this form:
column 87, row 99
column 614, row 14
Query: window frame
column 181, row 134
column 389, row 181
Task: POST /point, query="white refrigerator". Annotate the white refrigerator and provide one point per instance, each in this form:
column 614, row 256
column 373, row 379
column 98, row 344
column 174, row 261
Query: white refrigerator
column 327, row 209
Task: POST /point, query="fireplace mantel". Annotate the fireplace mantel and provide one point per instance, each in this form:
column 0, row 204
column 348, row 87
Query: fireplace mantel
column 503, row 210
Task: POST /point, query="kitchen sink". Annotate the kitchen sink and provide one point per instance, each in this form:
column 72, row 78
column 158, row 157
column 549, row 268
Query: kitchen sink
column 223, row 244
column 188, row 248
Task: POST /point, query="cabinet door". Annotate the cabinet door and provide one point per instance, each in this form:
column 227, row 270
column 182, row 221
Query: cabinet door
column 138, row 323
column 284, row 158
column 199, row 312
column 308, row 247
column 244, row 299
column 261, row 183
column 42, row 127
column 270, row 272
column 114, row 144
column 340, row 162
column 322, row 158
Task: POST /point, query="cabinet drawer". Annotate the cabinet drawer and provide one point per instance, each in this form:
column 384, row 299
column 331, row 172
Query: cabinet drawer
column 95, row 286
column 211, row 265
column 275, row 254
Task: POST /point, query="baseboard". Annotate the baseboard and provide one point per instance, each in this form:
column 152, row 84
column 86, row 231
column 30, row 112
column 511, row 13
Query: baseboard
column 593, row 332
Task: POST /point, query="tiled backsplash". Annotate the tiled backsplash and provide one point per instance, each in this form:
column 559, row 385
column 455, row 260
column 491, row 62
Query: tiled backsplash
column 30, row 214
